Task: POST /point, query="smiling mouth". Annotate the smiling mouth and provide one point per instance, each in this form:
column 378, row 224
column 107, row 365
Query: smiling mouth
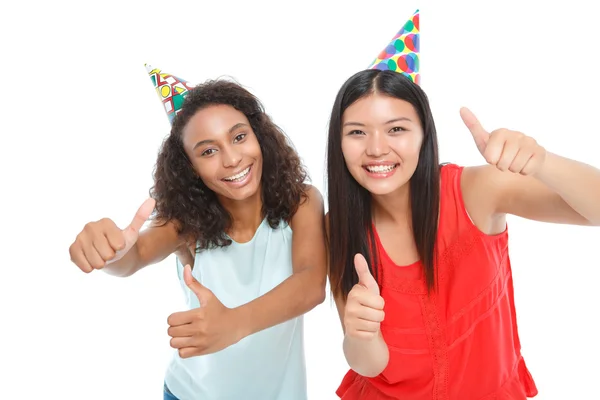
column 238, row 177
column 380, row 169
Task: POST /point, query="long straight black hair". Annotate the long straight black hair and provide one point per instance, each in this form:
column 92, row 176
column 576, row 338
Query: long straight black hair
column 350, row 219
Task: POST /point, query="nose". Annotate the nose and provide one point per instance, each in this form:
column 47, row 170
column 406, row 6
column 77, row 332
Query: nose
column 377, row 144
column 231, row 157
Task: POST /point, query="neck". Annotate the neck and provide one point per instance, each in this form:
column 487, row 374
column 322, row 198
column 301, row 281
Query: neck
column 246, row 215
column 394, row 207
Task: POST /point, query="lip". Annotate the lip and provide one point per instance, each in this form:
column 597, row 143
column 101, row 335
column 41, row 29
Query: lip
column 243, row 182
column 380, row 175
column 379, row 163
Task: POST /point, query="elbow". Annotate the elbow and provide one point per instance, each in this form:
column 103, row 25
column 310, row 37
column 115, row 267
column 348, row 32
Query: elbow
column 317, row 294
column 119, row 272
column 595, row 222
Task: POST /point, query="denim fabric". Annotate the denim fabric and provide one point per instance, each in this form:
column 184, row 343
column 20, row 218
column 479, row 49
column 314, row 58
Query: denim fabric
column 168, row 395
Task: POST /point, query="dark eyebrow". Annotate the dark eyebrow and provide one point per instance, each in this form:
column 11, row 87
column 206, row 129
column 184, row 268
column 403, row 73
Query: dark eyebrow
column 353, row 124
column 209, row 141
column 202, row 143
column 236, row 126
column 391, row 121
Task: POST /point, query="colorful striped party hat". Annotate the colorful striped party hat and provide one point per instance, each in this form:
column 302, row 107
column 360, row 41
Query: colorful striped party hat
column 402, row 53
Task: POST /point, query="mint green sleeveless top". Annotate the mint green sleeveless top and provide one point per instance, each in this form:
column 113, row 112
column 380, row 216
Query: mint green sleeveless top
column 268, row 365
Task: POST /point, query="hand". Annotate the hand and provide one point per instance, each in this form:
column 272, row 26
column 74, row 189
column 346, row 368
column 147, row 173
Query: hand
column 506, row 149
column 102, row 242
column 204, row 330
column 364, row 307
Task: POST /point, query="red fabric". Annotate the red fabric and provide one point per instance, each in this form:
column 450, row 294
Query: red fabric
column 461, row 343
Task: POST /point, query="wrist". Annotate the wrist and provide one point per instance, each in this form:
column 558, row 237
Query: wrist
column 240, row 323
column 545, row 172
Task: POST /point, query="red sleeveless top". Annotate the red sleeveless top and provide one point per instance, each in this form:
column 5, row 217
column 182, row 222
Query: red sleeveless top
column 461, row 342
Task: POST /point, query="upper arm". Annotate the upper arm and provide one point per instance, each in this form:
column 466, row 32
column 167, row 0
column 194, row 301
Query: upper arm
column 489, row 194
column 308, row 241
column 157, row 242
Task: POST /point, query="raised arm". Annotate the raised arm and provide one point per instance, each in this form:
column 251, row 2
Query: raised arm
column 361, row 313
column 523, row 179
column 122, row 252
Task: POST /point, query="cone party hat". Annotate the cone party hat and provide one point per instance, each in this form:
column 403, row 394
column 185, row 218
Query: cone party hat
column 402, row 53
column 171, row 90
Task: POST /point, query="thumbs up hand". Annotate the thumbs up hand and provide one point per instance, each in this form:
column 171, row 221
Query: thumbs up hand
column 204, row 330
column 102, row 242
column 505, row 149
column 364, row 306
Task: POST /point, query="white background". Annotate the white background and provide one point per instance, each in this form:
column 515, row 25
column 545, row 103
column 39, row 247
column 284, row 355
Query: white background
column 81, row 125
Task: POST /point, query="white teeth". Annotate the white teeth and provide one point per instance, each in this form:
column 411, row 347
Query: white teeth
column 239, row 176
column 380, row 168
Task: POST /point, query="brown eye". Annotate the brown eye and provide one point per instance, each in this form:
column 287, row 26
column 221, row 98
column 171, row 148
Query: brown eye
column 355, row 132
column 208, row 152
column 239, row 137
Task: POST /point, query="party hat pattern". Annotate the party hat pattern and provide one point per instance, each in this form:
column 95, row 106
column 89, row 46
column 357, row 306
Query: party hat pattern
column 402, row 53
column 170, row 89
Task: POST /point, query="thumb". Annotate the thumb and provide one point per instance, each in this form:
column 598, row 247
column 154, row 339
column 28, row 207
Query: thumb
column 480, row 135
column 140, row 218
column 195, row 286
column 364, row 275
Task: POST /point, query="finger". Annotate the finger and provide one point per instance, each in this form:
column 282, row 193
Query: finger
column 364, row 275
column 509, row 152
column 494, row 148
column 185, row 330
column 370, row 314
column 362, row 334
column 520, row 161
column 371, row 300
column 92, row 256
column 181, row 318
column 181, row 342
column 103, row 248
column 201, row 292
column 141, row 216
column 187, row 352
column 78, row 258
column 530, row 166
column 480, row 135
column 366, row 326
column 115, row 238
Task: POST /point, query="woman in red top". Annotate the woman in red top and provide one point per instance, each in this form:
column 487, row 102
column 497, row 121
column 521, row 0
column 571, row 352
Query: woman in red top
column 433, row 316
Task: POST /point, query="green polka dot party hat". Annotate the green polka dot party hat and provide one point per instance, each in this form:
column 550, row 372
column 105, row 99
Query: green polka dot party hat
column 171, row 90
column 402, row 53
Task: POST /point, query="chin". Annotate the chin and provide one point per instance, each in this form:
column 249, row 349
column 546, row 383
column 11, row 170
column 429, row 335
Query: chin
column 250, row 190
column 381, row 189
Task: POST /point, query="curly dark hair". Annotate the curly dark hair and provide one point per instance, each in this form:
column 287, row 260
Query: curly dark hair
column 183, row 198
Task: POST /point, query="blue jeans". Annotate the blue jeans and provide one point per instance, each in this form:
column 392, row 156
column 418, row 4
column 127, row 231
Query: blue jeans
column 167, row 394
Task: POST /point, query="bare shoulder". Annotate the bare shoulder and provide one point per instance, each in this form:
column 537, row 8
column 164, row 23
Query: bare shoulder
column 314, row 195
column 310, row 209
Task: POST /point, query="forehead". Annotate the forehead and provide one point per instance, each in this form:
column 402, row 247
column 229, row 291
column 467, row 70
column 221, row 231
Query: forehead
column 379, row 108
column 212, row 123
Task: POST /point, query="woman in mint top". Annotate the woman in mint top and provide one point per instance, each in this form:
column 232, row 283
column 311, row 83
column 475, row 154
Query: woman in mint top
column 231, row 202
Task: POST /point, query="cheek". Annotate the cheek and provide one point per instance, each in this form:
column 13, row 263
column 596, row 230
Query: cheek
column 206, row 169
column 408, row 146
column 253, row 149
column 352, row 151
